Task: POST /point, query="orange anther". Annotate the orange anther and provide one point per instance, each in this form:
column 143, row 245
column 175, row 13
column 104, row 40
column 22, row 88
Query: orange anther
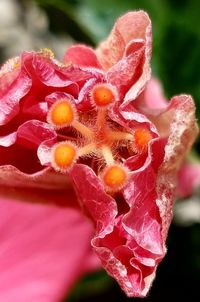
column 142, row 136
column 63, row 156
column 103, row 95
column 115, row 177
column 61, row 114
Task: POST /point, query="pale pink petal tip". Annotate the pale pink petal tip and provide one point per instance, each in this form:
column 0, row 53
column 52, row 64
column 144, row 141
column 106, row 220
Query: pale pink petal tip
column 128, row 28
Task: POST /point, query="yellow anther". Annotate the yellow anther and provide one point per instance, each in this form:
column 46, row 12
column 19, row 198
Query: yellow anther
column 61, row 114
column 64, row 155
column 141, row 138
column 103, row 95
column 48, row 52
column 114, row 177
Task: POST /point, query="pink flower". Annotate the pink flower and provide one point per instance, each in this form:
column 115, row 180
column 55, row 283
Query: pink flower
column 91, row 126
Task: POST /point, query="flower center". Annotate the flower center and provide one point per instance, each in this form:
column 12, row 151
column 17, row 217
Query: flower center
column 95, row 139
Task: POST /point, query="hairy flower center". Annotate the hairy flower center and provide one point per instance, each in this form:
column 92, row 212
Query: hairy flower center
column 95, row 139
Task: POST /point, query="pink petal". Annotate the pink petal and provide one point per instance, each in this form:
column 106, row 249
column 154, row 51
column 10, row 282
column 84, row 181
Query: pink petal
column 128, row 70
column 32, row 133
column 151, row 100
column 82, row 56
column 182, row 133
column 9, row 102
column 99, row 206
column 19, row 149
column 39, row 261
column 154, row 96
column 8, row 140
column 188, row 179
column 129, row 27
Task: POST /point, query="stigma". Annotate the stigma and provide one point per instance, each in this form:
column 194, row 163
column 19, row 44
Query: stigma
column 115, row 177
column 103, row 95
column 63, row 156
column 95, row 138
column 61, row 114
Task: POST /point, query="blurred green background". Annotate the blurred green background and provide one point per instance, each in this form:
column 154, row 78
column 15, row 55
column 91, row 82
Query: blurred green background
column 176, row 62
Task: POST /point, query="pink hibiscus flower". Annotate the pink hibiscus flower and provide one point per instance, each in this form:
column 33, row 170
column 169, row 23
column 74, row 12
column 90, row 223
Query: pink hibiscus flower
column 88, row 128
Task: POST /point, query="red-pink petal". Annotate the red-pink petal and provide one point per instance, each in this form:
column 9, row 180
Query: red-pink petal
column 39, row 261
column 100, row 206
column 9, row 101
column 82, row 56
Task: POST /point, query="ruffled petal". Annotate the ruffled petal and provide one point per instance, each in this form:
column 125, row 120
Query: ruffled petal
column 129, row 27
column 182, row 133
column 9, row 101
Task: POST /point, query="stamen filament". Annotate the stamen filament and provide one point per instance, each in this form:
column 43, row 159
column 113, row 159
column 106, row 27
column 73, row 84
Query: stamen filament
column 118, row 135
column 107, row 154
column 101, row 118
column 87, row 149
column 84, row 130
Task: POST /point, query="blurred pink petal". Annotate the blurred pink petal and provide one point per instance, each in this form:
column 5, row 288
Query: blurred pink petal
column 154, row 95
column 188, row 179
column 43, row 250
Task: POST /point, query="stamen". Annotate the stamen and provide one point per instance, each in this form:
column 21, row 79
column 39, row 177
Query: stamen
column 118, row 135
column 114, row 177
column 84, row 130
column 141, row 138
column 87, row 149
column 102, row 95
column 61, row 114
column 64, row 155
column 101, row 118
column 107, row 154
